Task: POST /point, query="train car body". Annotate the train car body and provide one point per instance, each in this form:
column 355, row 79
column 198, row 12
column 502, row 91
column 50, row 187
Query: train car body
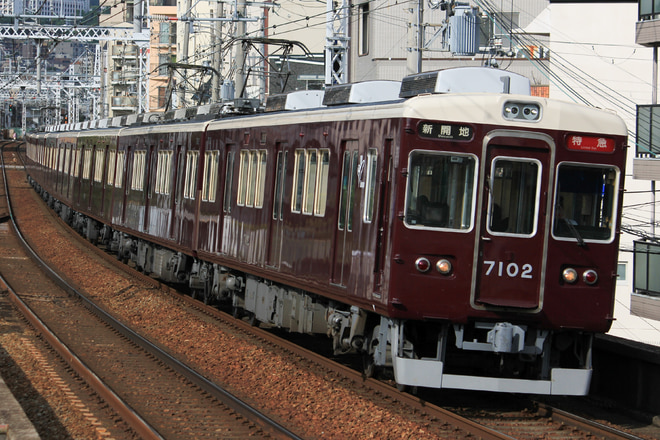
column 461, row 240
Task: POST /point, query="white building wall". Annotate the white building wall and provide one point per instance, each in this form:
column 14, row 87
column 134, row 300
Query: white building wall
column 593, row 49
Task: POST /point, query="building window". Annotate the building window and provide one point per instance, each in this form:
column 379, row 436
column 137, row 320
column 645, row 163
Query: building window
column 167, row 33
column 363, row 29
column 621, row 268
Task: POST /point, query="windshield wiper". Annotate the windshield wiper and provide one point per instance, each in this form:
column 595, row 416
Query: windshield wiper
column 574, row 231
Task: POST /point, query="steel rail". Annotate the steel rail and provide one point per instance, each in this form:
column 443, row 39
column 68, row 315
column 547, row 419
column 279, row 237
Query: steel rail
column 264, row 422
column 597, row 429
column 138, row 424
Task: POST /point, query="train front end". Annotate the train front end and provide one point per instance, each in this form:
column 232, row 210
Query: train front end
column 505, row 240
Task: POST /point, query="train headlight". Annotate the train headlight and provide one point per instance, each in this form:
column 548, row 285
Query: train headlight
column 521, row 111
column 569, row 275
column 423, row 264
column 443, row 266
column 590, row 277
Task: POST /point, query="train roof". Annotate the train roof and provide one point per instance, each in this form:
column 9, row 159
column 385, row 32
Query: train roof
column 468, row 94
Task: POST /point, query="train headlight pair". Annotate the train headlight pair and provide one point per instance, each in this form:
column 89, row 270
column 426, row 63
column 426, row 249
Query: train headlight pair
column 521, row 111
column 443, row 265
column 589, row 276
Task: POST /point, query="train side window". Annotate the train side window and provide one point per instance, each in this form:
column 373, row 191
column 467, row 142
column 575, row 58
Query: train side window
column 309, row 191
column 210, row 176
column 252, row 178
column 119, row 174
column 372, row 166
column 243, row 177
column 514, row 196
column 229, row 180
column 87, row 163
column 585, row 202
column 110, row 173
column 159, row 173
column 76, row 163
column 99, row 156
column 279, row 185
column 60, row 166
column 440, row 190
column 137, row 180
column 298, row 181
column 261, row 179
column 163, row 170
column 67, row 160
column 321, row 196
column 348, row 184
column 191, row 175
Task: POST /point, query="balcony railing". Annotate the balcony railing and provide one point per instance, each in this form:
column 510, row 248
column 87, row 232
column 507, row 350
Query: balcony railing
column 124, row 51
column 124, row 102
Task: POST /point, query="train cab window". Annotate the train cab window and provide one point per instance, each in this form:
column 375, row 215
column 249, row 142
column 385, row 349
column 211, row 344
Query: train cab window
column 440, row 190
column 585, row 202
column 514, row 196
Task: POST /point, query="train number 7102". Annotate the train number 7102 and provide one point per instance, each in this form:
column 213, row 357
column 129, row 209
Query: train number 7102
column 511, row 269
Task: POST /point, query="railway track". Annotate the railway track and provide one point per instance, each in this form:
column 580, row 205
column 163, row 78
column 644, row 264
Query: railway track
column 440, row 422
column 158, row 396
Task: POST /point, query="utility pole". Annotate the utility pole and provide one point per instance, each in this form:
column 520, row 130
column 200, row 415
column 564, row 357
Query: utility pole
column 239, row 59
column 216, row 44
column 336, row 42
column 415, row 38
column 183, row 55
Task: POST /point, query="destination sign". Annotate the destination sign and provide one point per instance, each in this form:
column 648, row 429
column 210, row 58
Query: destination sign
column 590, row 143
column 454, row 132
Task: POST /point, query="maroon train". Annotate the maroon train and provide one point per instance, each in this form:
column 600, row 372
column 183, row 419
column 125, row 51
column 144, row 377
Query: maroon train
column 452, row 229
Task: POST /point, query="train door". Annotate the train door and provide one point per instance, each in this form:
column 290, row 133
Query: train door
column 128, row 173
column 514, row 223
column 347, row 192
column 224, row 227
column 276, row 222
column 382, row 216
